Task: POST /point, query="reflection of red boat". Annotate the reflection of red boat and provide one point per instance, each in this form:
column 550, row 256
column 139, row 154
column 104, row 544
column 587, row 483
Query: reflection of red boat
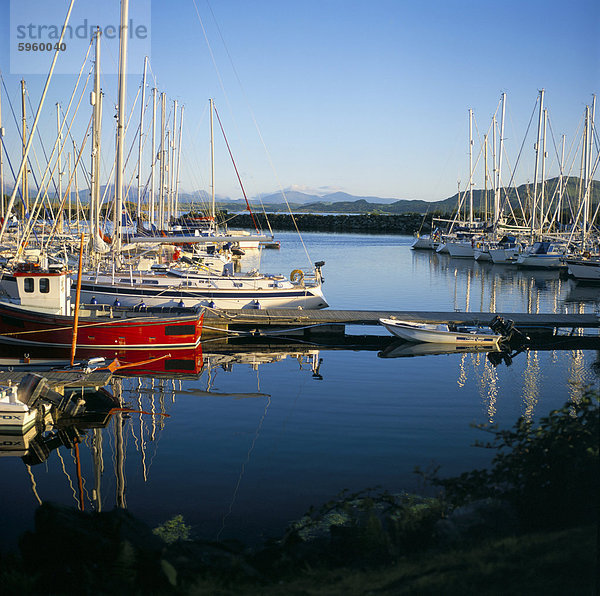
column 42, row 316
column 160, row 363
column 163, row 363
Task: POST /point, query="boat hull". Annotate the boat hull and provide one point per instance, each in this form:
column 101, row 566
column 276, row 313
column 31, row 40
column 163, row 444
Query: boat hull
column 584, row 270
column 131, row 331
column 417, row 332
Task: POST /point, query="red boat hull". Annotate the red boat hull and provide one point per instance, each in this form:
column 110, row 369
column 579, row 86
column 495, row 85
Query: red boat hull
column 131, row 331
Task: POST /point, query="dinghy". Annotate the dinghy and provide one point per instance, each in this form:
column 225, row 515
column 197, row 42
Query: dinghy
column 440, row 333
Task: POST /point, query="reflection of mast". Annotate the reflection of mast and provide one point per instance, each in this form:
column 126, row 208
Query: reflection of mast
column 119, row 447
column 98, row 467
column 142, row 442
column 531, row 384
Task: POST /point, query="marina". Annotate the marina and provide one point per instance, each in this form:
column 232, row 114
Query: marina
column 206, row 382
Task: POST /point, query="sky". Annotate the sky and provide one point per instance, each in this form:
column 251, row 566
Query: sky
column 365, row 97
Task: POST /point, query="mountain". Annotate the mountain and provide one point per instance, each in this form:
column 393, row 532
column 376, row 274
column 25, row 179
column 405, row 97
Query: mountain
column 302, row 198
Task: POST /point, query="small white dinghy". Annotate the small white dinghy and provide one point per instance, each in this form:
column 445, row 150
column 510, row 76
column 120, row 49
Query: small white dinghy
column 440, row 333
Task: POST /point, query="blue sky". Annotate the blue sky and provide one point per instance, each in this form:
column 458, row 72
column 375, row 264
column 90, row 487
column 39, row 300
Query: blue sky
column 367, row 97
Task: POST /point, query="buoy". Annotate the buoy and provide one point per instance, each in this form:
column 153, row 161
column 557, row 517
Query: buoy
column 296, row 276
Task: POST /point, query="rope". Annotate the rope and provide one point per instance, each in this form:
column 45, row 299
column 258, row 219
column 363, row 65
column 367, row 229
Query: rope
column 235, row 167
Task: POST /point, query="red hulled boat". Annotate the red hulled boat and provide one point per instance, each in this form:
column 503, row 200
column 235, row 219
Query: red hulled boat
column 43, row 316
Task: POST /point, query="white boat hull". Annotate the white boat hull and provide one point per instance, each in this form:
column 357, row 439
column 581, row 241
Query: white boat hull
column 584, row 270
column 539, row 261
column 460, row 250
column 421, row 332
column 503, row 255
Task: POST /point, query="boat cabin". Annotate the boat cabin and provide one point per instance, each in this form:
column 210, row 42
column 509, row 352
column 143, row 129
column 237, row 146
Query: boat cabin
column 47, row 291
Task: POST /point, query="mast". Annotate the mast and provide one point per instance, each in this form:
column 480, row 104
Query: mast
column 24, row 152
column 561, row 179
column 172, row 212
column 178, row 163
column 543, row 183
column 59, row 164
column 471, row 167
column 587, row 139
column 534, row 229
column 151, row 214
column 494, row 171
column 96, row 98
column 212, row 162
column 485, row 176
column 161, row 189
column 499, row 172
column 121, row 123
column 139, row 173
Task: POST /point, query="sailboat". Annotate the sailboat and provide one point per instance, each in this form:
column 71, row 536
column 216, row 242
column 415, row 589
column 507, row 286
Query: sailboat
column 173, row 285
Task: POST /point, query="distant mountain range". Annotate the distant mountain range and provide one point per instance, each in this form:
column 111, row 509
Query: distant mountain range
column 341, row 202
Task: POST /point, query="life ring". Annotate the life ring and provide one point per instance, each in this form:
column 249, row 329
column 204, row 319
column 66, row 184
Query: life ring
column 296, row 276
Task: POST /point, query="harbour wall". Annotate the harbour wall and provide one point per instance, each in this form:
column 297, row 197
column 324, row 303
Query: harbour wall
column 311, row 222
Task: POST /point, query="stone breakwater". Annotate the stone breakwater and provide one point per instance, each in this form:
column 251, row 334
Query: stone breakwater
column 309, row 222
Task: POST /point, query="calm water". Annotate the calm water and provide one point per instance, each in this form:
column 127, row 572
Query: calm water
column 260, row 436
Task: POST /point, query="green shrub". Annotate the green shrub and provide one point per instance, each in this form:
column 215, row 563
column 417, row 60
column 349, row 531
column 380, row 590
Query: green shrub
column 549, row 471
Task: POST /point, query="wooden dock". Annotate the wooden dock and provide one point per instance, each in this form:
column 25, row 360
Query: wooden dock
column 59, row 379
column 217, row 322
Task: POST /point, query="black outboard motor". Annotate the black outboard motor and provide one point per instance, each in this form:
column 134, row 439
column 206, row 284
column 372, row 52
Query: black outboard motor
column 318, row 266
column 33, row 390
column 507, row 330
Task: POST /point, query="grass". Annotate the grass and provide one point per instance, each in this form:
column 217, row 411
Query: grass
column 548, row 563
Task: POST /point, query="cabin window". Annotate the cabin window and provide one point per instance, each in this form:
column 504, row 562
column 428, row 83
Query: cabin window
column 28, row 284
column 44, row 285
column 180, row 329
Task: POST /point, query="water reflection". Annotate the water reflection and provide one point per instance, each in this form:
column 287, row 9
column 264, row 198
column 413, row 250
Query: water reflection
column 241, row 423
column 488, row 287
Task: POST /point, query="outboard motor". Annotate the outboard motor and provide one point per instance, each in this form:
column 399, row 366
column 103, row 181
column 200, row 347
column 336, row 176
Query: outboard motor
column 318, row 266
column 507, row 330
column 33, row 390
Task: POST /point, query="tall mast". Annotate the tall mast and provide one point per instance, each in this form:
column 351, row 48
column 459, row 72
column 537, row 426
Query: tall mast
column 178, row 163
column 485, row 176
column 151, row 214
column 121, row 122
column 24, row 153
column 212, row 162
column 139, row 173
column 172, row 212
column 543, row 182
column 534, row 229
column 494, row 170
column 561, row 179
column 60, row 173
column 470, row 166
column 586, row 171
column 161, row 190
column 500, row 153
column 96, row 138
